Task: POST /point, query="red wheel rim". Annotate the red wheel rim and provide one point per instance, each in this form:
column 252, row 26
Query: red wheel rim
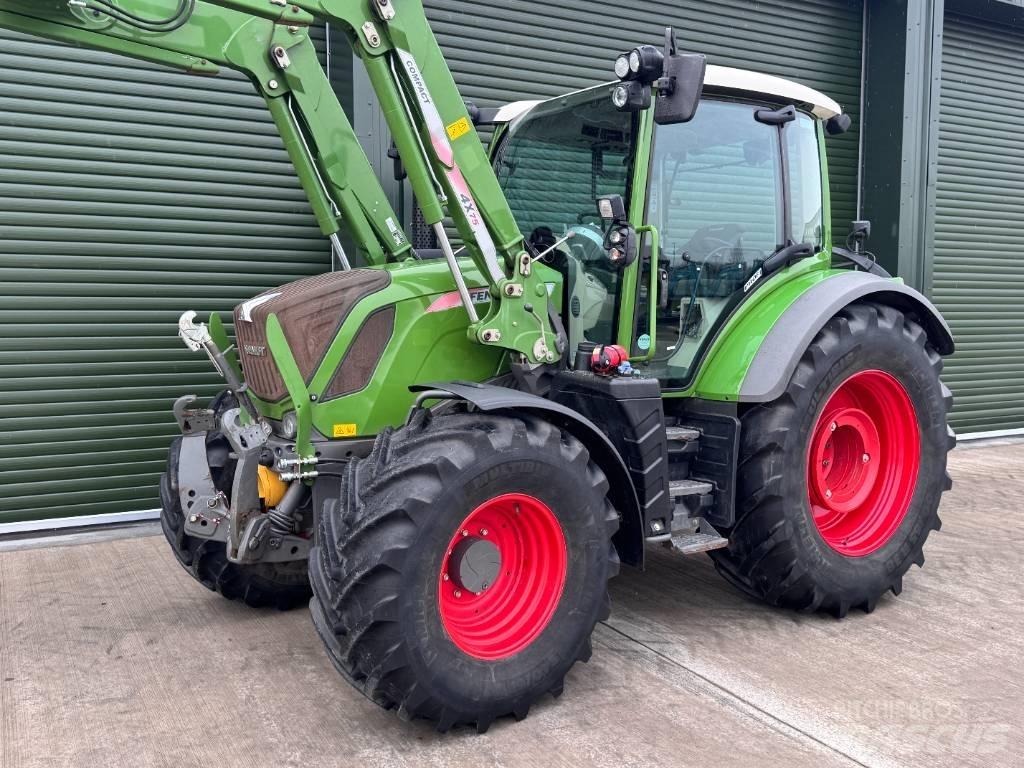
column 862, row 463
column 503, row 617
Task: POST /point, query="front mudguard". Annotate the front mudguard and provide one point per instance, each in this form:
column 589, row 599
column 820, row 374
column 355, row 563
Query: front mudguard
column 629, row 540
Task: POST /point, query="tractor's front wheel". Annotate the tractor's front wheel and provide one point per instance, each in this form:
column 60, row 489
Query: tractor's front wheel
column 462, row 571
column 840, row 478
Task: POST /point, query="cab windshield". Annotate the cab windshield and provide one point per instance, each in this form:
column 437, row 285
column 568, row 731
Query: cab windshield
column 552, row 166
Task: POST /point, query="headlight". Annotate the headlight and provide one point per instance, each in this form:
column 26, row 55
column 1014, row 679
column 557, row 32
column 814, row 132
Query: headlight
column 620, row 96
column 622, row 67
column 634, row 61
column 631, row 96
column 646, row 63
column 290, row 425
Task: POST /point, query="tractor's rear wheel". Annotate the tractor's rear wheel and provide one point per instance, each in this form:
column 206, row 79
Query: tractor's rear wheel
column 840, row 478
column 260, row 585
column 462, row 571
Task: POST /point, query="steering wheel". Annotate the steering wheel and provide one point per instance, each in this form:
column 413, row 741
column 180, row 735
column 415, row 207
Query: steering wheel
column 587, row 242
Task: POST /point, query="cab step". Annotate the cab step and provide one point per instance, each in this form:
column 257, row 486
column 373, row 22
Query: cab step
column 695, row 543
column 677, row 488
column 682, row 434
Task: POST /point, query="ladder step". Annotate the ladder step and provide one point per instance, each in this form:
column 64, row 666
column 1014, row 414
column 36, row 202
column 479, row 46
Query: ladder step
column 693, row 543
column 682, row 434
column 677, row 488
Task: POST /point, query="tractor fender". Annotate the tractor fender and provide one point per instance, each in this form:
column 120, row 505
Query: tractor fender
column 629, row 541
column 779, row 353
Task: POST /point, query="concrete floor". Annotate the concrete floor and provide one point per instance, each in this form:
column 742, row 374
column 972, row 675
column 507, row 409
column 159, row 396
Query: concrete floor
column 111, row 656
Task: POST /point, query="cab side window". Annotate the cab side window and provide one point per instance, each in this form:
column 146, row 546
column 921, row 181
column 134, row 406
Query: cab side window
column 805, row 218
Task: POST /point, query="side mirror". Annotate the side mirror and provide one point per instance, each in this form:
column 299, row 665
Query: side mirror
column 681, row 86
column 860, row 231
column 620, row 237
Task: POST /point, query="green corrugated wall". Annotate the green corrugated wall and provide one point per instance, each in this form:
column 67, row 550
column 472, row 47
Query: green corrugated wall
column 978, row 277
column 128, row 193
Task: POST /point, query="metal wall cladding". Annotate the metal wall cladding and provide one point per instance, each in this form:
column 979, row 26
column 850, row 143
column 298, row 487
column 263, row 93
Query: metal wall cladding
column 507, row 50
column 128, row 194
column 977, row 280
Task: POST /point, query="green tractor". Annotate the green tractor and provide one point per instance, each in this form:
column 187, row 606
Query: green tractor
column 645, row 339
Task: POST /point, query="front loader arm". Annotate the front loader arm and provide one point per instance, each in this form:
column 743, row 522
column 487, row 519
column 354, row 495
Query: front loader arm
column 268, row 41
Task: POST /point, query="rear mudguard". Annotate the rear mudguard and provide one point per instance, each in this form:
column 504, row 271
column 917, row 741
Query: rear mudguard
column 629, row 541
column 781, row 350
column 756, row 353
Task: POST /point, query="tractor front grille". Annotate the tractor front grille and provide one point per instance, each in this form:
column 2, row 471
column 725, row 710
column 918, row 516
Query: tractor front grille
column 311, row 312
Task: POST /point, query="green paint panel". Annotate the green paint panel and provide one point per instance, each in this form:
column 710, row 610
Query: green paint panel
column 128, row 194
column 507, row 50
column 977, row 281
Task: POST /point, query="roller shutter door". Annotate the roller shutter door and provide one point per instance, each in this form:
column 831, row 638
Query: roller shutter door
column 128, row 193
column 977, row 278
column 506, row 50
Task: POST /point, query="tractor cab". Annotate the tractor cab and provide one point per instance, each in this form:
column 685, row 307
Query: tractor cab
column 712, row 200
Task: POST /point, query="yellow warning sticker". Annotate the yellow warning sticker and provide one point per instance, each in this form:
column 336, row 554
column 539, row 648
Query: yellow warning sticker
column 458, row 128
column 345, row 430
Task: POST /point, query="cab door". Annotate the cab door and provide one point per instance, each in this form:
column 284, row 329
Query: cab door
column 724, row 192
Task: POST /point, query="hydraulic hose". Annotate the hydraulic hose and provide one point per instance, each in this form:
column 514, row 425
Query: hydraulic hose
column 282, row 520
column 177, row 20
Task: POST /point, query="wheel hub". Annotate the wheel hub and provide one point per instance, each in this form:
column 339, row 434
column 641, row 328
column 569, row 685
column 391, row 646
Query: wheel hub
column 474, row 564
column 862, row 463
column 502, row 576
column 845, row 472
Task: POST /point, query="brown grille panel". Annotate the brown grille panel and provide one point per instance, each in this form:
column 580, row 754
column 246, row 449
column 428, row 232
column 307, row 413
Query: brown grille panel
column 310, row 312
column 361, row 358
column 261, row 373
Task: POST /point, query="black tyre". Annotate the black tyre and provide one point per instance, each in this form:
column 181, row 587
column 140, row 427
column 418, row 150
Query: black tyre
column 278, row 585
column 463, row 569
column 840, row 478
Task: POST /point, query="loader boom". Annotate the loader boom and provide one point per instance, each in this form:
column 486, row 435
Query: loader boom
column 268, row 41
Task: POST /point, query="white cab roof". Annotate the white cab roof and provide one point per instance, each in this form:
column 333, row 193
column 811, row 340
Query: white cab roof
column 728, row 79
column 745, row 81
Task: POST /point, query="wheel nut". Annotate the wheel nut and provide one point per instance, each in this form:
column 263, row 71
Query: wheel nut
column 865, row 458
column 465, row 533
column 824, row 463
column 828, row 494
column 834, row 427
column 483, row 531
column 458, row 593
column 445, row 577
